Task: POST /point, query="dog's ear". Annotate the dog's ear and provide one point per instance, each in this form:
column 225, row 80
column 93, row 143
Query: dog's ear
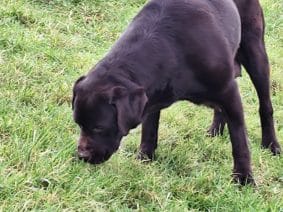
column 74, row 90
column 130, row 105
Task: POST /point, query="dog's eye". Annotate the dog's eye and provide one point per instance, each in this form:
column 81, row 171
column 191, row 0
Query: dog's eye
column 98, row 130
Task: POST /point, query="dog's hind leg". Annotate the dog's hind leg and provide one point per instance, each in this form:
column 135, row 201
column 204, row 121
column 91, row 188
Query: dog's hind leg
column 149, row 136
column 219, row 120
column 255, row 60
column 218, row 123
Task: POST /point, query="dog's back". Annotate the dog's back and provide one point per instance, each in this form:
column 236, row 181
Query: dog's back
column 200, row 37
column 184, row 21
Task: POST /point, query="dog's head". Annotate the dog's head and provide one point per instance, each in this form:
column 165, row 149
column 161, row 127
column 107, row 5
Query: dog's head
column 105, row 113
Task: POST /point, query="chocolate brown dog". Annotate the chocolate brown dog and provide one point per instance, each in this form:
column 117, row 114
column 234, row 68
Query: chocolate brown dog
column 173, row 50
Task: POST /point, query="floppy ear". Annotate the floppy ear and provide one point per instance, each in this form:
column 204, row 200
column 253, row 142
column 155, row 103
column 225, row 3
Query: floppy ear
column 130, row 106
column 74, row 90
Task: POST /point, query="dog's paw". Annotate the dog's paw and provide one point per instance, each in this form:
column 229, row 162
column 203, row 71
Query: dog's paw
column 243, row 179
column 214, row 131
column 145, row 157
column 274, row 148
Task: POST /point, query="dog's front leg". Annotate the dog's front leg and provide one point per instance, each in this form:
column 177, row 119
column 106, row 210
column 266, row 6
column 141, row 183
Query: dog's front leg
column 233, row 109
column 149, row 136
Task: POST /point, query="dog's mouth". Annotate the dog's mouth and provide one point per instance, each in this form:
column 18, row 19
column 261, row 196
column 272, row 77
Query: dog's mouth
column 94, row 158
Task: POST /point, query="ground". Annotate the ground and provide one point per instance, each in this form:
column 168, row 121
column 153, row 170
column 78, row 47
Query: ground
column 45, row 45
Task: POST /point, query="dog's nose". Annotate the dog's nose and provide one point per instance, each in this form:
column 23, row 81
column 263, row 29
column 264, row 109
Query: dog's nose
column 83, row 153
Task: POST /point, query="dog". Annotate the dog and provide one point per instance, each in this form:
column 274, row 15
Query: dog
column 174, row 50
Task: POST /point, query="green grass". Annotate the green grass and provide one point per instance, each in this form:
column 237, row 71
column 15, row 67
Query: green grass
column 45, row 46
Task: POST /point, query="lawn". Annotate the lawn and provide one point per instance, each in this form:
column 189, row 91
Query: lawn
column 45, row 45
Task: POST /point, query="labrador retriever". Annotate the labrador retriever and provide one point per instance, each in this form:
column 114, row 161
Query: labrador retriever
column 175, row 50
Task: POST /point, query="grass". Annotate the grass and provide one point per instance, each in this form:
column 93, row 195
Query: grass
column 45, row 45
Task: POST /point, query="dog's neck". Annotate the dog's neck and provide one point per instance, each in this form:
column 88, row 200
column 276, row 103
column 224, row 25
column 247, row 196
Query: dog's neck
column 158, row 91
